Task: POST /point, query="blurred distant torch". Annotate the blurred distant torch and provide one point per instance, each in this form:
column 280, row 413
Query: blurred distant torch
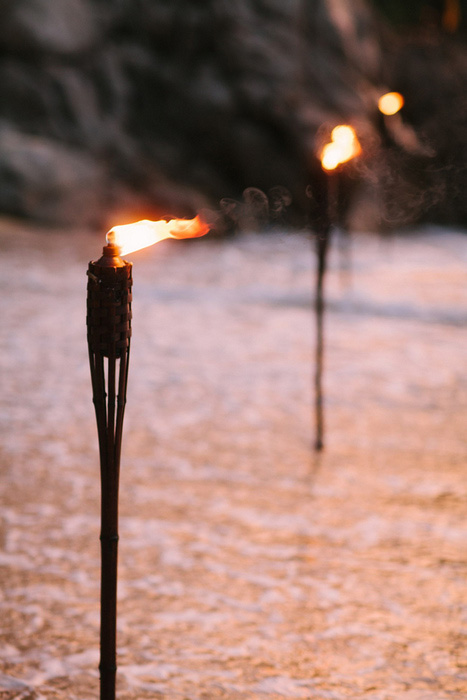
column 342, row 148
column 332, row 198
column 108, row 331
column 390, row 103
column 394, row 131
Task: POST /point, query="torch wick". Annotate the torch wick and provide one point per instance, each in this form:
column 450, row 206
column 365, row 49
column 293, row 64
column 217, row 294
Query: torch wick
column 112, row 249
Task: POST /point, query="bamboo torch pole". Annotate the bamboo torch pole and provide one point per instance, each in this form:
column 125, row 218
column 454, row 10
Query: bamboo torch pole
column 323, row 227
column 325, row 213
column 109, row 332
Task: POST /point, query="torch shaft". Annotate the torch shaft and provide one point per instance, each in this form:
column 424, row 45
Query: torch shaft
column 109, row 316
column 109, row 547
column 109, row 560
column 121, row 402
column 322, row 244
column 323, row 216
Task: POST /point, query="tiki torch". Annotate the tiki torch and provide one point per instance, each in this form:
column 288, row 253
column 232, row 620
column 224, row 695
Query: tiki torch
column 390, row 103
column 109, row 297
column 343, row 147
column 388, row 117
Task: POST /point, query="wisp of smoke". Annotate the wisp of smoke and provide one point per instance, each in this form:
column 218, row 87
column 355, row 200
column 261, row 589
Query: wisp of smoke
column 254, row 212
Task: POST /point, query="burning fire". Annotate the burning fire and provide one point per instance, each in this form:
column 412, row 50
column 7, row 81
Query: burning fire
column 131, row 237
column 343, row 147
column 390, row 103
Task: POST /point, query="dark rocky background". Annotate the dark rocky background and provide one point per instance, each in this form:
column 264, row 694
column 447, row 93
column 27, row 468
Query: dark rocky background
column 124, row 108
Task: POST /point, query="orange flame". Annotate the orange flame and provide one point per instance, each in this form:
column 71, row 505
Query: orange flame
column 131, row 237
column 390, row 103
column 343, row 147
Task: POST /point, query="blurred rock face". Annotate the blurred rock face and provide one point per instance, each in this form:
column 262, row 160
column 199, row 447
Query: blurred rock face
column 145, row 104
column 39, row 25
column 122, row 108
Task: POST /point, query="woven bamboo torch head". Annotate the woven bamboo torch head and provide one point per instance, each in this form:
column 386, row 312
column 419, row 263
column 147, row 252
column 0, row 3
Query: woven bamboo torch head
column 109, row 303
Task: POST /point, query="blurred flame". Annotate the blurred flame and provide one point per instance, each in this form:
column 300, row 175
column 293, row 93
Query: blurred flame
column 131, row 237
column 343, row 147
column 451, row 15
column 390, row 103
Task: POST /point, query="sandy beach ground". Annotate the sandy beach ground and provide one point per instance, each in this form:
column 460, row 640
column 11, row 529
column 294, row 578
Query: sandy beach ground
column 249, row 567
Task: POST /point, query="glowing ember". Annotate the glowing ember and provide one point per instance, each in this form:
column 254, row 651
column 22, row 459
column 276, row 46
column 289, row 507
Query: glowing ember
column 390, row 103
column 343, row 147
column 131, row 237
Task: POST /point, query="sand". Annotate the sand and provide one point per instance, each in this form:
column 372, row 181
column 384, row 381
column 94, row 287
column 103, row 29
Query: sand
column 250, row 567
